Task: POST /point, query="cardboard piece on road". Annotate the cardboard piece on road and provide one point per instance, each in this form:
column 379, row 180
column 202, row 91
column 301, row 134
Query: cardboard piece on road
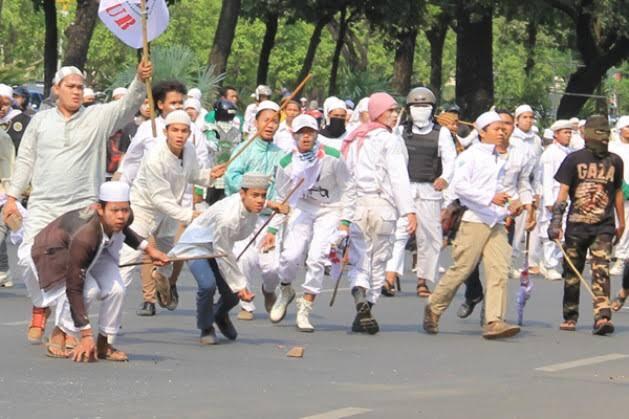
column 296, row 352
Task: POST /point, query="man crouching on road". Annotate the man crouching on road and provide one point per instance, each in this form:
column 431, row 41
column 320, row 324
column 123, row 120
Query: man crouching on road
column 78, row 252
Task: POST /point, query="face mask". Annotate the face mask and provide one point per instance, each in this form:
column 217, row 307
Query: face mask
column 336, row 128
column 598, row 148
column 421, row 115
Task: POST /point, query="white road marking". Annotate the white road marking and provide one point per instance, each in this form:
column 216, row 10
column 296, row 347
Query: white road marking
column 582, row 362
column 345, row 412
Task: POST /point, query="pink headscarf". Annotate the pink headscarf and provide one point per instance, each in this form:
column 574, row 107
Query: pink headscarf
column 378, row 104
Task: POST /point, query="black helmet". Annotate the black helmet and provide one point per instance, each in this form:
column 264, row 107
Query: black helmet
column 453, row 108
column 224, row 110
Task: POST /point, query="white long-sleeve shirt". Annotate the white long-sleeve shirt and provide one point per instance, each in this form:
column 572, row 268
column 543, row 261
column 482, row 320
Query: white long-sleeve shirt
column 143, row 142
column 516, row 181
column 64, row 160
column 162, row 180
column 7, row 155
column 477, row 179
column 550, row 161
column 622, row 149
column 379, row 169
column 283, row 138
column 530, row 144
column 447, row 153
column 222, row 225
column 335, row 143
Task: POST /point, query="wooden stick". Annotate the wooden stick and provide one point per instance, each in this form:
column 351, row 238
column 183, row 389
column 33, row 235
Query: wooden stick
column 181, row 259
column 266, row 223
column 574, row 269
column 253, row 137
column 145, row 59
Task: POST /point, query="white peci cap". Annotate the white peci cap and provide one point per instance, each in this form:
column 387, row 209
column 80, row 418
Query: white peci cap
column 255, row 181
column 561, row 124
column 6, row 91
column 487, row 118
column 64, row 72
column 522, row 109
column 192, row 103
column 177, row 117
column 114, row 192
column 267, row 104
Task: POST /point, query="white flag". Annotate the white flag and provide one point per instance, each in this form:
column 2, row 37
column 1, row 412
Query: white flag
column 124, row 19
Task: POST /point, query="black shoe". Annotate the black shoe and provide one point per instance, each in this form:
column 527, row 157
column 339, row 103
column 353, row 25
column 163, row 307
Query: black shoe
column 146, row 309
column 364, row 322
column 174, row 299
column 226, row 327
column 467, row 308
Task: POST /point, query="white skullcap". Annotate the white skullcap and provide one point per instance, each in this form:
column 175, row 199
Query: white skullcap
column 6, row 91
column 574, row 120
column 267, row 104
column 622, row 122
column 114, row 192
column 548, row 134
column 487, row 118
column 363, row 105
column 87, row 92
column 195, row 93
column 581, row 123
column 561, row 124
column 192, row 103
column 304, row 121
column 64, row 72
column 255, row 181
column 522, row 109
column 119, row 91
column 178, row 117
column 332, row 103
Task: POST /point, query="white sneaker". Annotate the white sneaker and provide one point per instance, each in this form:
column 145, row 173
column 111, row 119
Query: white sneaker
column 304, row 307
column 617, row 268
column 552, row 274
column 6, row 284
column 287, row 294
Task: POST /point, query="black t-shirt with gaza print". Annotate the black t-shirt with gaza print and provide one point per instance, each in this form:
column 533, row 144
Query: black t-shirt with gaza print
column 593, row 184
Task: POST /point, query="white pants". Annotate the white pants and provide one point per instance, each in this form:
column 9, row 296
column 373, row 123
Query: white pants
column 371, row 238
column 255, row 264
column 40, row 297
column 311, row 229
column 163, row 229
column 11, row 250
column 621, row 250
column 534, row 240
column 428, row 236
column 104, row 283
column 552, row 258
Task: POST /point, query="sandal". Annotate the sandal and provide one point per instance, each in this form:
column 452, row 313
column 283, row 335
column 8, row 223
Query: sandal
column 603, row 327
column 37, row 328
column 618, row 302
column 422, row 289
column 56, row 350
column 112, row 354
column 568, row 326
column 388, row 290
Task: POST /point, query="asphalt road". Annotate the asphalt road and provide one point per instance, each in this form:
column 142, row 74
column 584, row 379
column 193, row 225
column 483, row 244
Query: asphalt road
column 399, row 373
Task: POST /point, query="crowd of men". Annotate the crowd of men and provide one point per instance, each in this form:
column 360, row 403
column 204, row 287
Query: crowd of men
column 94, row 195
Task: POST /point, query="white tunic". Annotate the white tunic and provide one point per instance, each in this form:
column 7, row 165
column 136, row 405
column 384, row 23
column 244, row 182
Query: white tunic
column 476, row 180
column 64, row 160
column 622, row 149
column 379, row 169
column 530, row 144
column 550, row 161
column 283, row 138
column 223, row 224
column 7, row 155
column 335, row 143
column 161, row 182
column 143, row 142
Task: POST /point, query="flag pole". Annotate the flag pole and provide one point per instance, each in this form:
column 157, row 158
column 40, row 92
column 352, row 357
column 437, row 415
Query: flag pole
column 145, row 59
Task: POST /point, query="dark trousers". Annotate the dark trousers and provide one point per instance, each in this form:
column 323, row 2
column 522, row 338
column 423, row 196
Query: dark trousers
column 600, row 247
column 625, row 276
column 209, row 279
column 473, row 286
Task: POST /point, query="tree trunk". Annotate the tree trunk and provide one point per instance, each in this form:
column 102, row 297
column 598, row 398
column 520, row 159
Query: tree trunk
column 224, row 35
column 531, row 41
column 80, row 33
column 271, row 22
column 50, row 44
column 354, row 51
column 336, row 58
column 474, row 61
column 403, row 64
column 315, row 39
column 436, row 36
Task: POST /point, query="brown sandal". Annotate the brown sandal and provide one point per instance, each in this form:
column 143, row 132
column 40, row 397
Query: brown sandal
column 388, row 290
column 56, row 350
column 422, row 289
column 568, row 326
column 618, row 302
column 112, row 354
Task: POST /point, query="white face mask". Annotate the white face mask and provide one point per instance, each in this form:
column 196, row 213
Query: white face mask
column 421, row 115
